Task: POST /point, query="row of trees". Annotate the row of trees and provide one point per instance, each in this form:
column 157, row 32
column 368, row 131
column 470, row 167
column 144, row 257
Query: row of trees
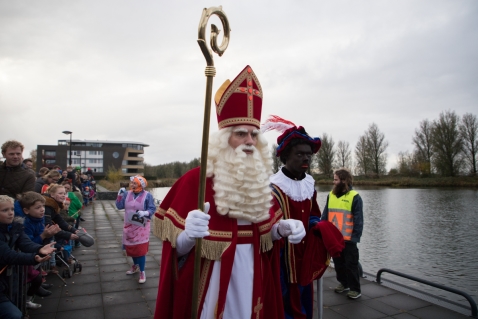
column 446, row 146
column 369, row 154
column 170, row 170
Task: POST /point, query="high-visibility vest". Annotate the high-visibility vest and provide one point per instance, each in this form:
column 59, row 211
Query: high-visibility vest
column 340, row 213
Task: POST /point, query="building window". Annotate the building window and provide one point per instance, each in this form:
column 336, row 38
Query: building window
column 124, row 170
column 95, row 152
column 50, row 162
column 50, row 153
column 133, row 146
column 95, row 161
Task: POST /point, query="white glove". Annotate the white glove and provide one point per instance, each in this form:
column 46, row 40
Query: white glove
column 142, row 213
column 293, row 229
column 121, row 191
column 197, row 223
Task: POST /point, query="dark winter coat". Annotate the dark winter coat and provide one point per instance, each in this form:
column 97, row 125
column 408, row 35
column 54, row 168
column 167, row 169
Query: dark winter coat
column 39, row 184
column 15, row 180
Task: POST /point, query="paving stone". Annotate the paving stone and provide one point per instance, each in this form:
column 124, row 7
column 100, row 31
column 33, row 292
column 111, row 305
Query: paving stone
column 358, row 310
column 129, row 285
column 83, row 279
column 382, row 307
column 113, row 276
column 404, row 315
column 79, row 290
column 83, row 257
column 151, row 282
column 330, row 314
column 115, row 267
column 150, row 293
column 80, row 302
column 89, row 270
column 436, row 312
column 111, row 261
column 107, row 246
column 122, row 297
column 93, row 313
column 35, row 315
column 404, row 302
column 133, row 310
column 374, row 290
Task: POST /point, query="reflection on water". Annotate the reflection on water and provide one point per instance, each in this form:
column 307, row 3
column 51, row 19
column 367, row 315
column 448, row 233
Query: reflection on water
column 427, row 233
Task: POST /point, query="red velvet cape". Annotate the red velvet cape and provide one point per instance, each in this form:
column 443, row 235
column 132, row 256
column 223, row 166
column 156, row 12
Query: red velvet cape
column 176, row 280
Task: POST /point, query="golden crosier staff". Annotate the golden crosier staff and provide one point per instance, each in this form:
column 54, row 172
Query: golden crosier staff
column 210, row 73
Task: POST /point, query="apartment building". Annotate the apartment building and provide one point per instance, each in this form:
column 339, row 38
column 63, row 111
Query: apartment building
column 94, row 154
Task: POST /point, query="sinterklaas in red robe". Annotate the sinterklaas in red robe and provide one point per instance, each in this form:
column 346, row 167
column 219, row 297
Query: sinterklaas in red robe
column 176, row 275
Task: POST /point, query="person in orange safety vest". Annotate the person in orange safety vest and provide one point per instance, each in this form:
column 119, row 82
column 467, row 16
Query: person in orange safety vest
column 344, row 209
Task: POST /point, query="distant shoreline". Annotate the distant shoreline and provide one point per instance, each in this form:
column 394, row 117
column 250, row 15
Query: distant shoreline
column 397, row 181
column 386, row 181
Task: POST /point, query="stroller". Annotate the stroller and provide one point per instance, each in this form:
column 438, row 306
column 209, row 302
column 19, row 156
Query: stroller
column 66, row 258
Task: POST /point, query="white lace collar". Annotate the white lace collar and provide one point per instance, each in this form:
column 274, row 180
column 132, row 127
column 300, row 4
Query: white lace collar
column 296, row 190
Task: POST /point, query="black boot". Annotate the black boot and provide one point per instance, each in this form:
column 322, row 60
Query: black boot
column 42, row 292
column 46, row 286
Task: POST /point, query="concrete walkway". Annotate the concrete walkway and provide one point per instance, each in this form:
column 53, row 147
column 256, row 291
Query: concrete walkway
column 103, row 290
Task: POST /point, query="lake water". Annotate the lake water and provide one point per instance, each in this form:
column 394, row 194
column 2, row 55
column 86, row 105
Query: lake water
column 428, row 233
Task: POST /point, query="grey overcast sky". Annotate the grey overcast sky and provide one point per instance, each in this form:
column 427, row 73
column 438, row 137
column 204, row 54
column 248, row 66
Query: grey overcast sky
column 132, row 70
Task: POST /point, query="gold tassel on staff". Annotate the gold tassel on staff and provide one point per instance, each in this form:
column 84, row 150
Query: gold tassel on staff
column 210, row 73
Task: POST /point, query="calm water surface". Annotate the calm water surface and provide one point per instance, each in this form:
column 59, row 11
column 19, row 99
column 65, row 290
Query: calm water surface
column 427, row 233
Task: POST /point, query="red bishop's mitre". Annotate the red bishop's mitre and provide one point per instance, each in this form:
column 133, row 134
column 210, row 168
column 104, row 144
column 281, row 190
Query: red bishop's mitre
column 240, row 101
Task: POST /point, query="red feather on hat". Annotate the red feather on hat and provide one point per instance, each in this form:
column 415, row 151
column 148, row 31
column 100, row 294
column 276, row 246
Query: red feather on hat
column 277, row 123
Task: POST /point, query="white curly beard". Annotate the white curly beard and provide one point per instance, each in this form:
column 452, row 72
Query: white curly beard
column 241, row 181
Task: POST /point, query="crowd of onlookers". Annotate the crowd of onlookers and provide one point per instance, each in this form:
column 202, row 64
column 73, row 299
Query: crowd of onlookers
column 40, row 216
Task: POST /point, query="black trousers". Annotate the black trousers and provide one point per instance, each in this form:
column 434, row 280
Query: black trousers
column 346, row 267
column 34, row 285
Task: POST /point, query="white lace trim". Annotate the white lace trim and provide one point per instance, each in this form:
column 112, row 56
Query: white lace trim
column 296, row 190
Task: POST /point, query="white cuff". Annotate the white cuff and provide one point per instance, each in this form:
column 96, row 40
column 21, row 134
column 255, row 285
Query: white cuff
column 184, row 244
column 274, row 233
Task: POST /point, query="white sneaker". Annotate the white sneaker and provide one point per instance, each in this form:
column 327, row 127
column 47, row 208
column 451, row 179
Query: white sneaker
column 32, row 305
column 134, row 269
column 142, row 277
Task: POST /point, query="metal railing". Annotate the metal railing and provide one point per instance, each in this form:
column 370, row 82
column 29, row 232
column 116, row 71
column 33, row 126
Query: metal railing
column 474, row 311
column 16, row 277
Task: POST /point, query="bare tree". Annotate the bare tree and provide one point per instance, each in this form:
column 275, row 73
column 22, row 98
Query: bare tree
column 469, row 134
column 343, row 155
column 33, row 156
column 423, row 146
column 447, row 144
column 376, row 146
column 362, row 159
column 326, row 155
column 276, row 163
column 408, row 164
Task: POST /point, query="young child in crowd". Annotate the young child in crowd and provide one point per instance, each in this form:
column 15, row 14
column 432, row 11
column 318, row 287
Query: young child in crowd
column 33, row 206
column 65, row 212
column 15, row 249
column 54, row 200
column 76, row 204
